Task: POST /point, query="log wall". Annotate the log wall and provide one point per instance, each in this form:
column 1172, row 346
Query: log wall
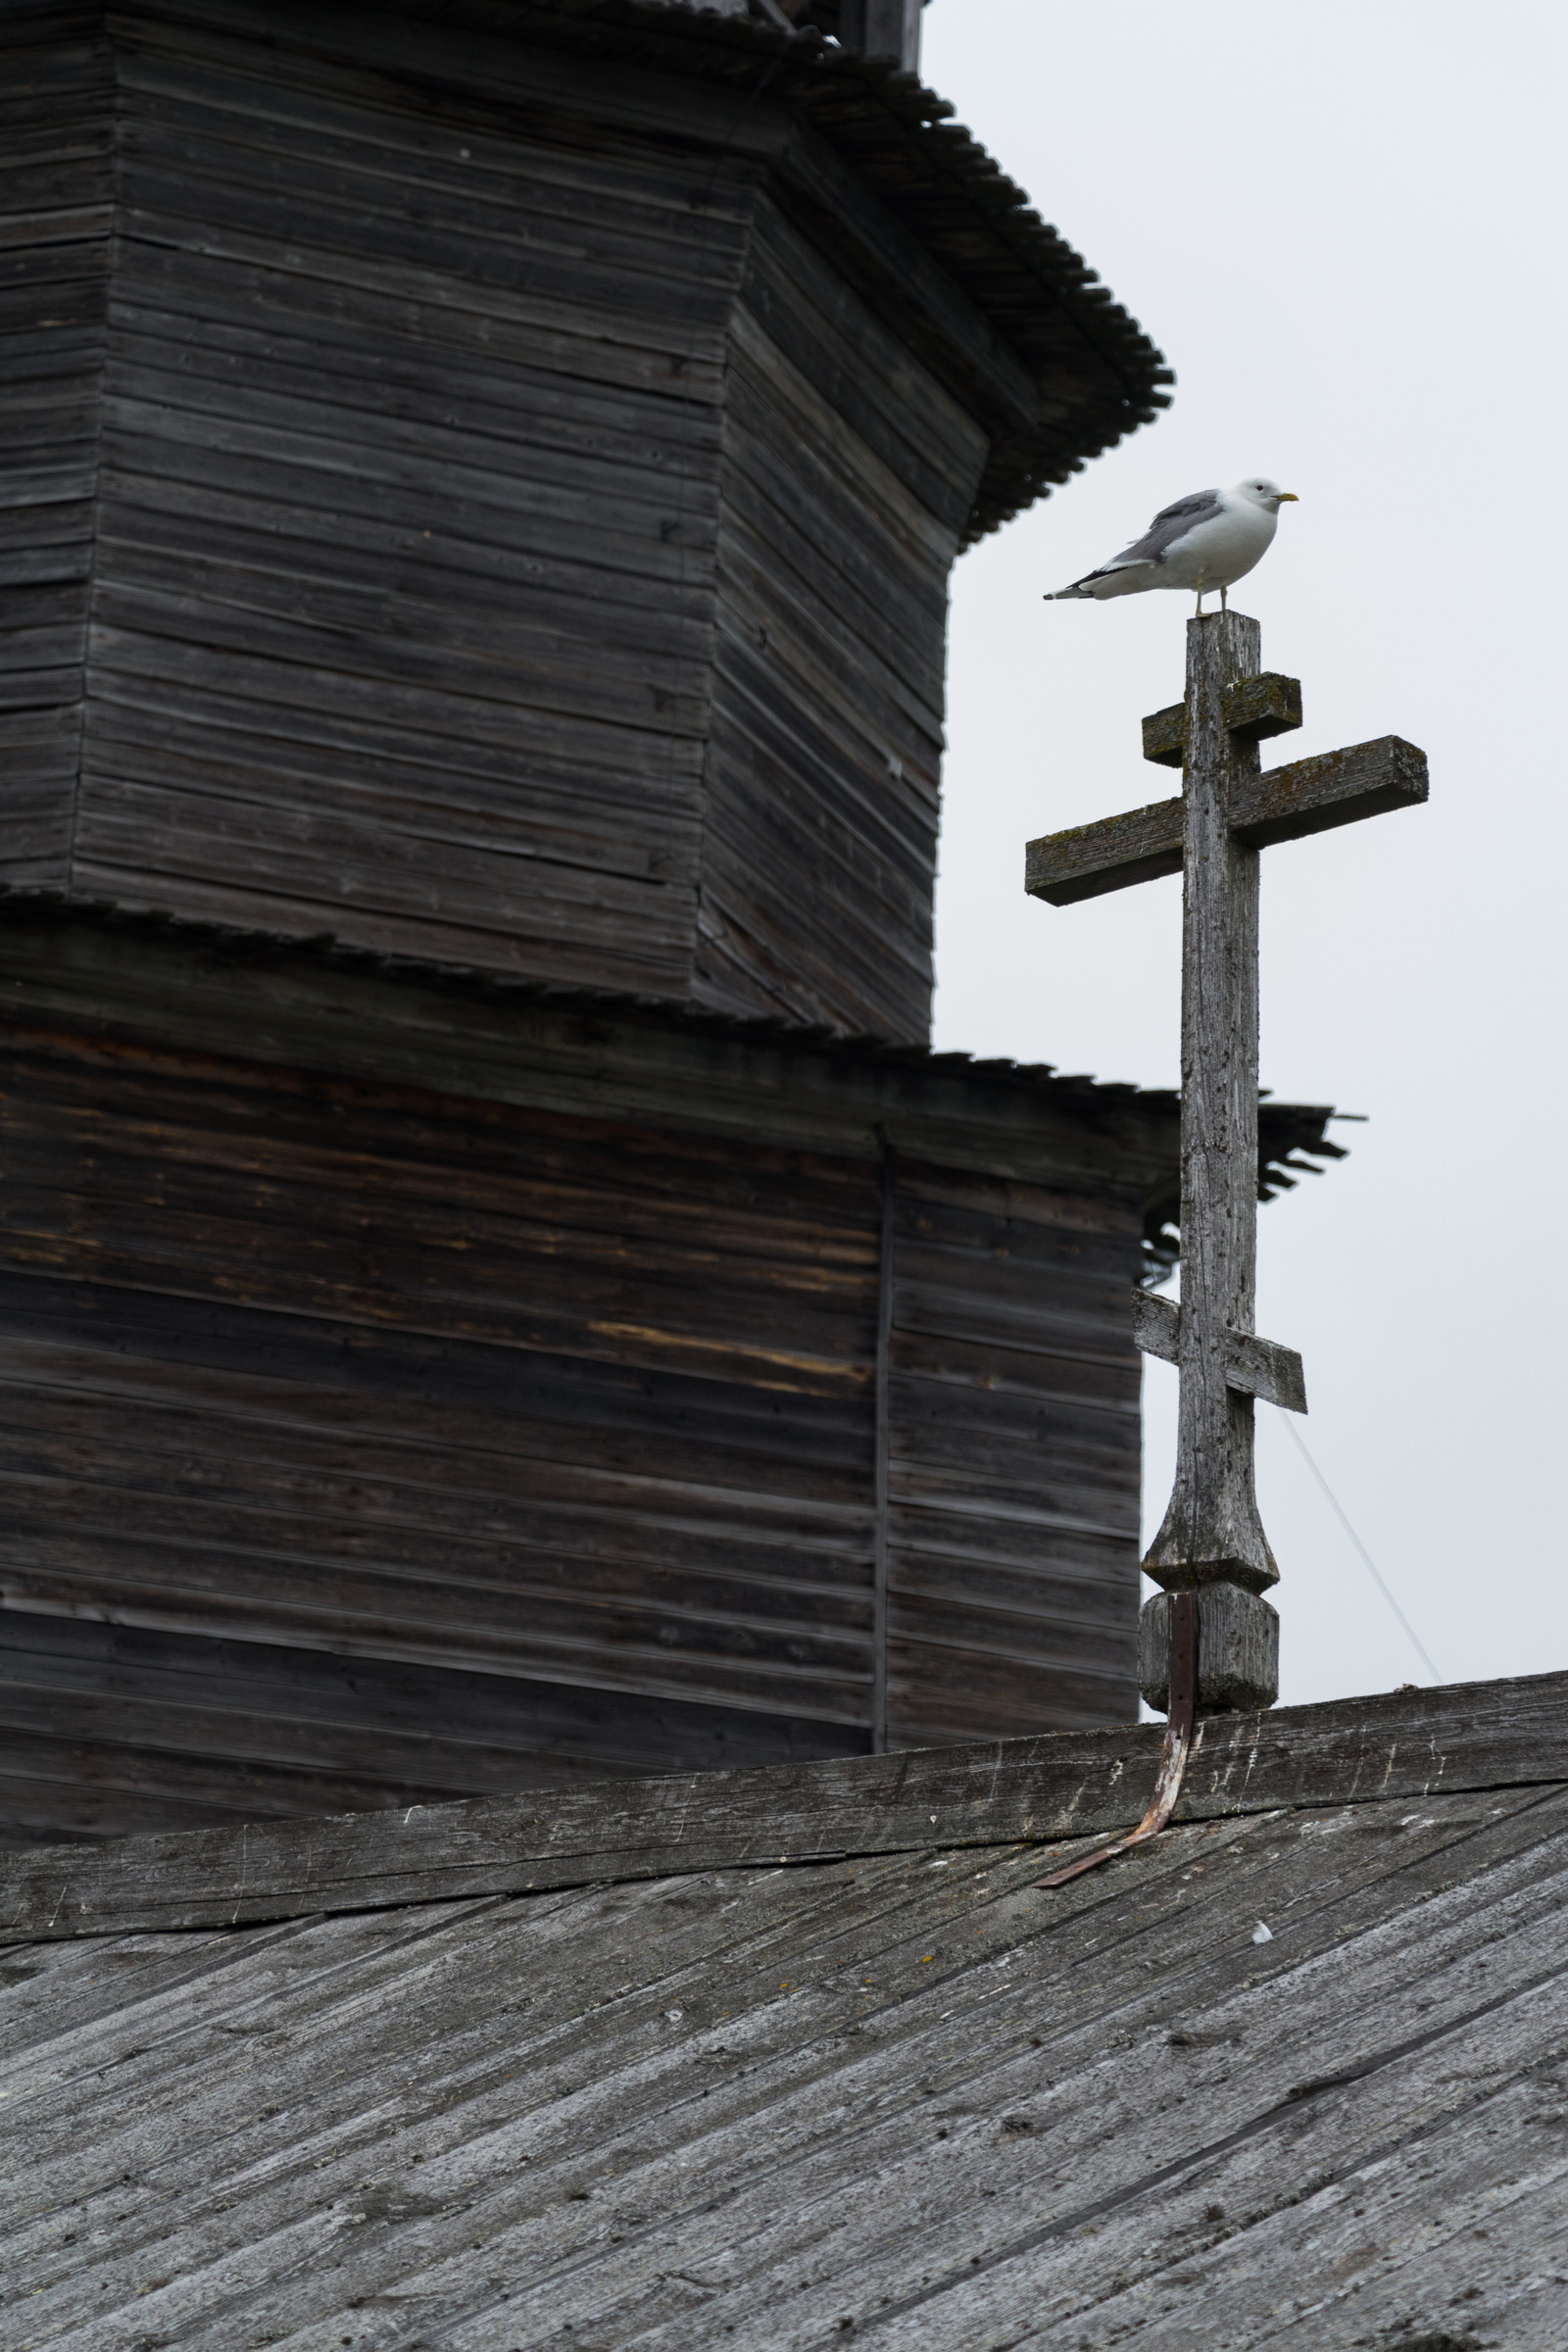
column 404, row 572
column 57, row 102
column 849, row 474
column 363, row 1444
column 517, row 524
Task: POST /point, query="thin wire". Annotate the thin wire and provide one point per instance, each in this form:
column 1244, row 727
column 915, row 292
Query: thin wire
column 1300, row 1446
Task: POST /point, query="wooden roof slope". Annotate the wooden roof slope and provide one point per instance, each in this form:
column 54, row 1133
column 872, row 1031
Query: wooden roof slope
column 683, row 2094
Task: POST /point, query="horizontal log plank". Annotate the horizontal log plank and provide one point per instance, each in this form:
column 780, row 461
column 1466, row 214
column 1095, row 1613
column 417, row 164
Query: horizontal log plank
column 1466, row 1736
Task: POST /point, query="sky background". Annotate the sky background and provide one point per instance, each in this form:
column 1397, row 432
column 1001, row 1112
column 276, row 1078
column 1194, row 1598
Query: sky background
column 1344, row 225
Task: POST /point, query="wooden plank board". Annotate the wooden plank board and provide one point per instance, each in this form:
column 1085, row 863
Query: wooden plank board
column 1410, row 1747
column 737, row 2102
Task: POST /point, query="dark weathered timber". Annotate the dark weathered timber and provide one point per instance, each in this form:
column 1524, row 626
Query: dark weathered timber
column 1311, row 795
column 1211, row 1533
column 520, row 517
column 1014, row 1481
column 56, row 222
column 1287, row 803
column 1267, row 705
column 571, row 1378
column 1166, row 736
column 1412, row 1745
column 1087, row 861
column 1338, row 788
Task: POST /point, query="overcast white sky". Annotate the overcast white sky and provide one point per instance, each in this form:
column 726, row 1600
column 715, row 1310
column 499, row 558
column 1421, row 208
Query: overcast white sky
column 1344, row 224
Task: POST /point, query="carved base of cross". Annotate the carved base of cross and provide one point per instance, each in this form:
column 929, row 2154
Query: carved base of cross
column 1211, row 1541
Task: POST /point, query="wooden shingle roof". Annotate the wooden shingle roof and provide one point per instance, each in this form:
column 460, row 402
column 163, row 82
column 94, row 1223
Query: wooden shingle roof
column 780, row 2059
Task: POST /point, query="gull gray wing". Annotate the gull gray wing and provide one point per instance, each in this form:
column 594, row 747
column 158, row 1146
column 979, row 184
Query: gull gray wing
column 1169, row 525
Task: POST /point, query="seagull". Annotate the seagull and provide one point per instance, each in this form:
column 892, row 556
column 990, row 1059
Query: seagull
column 1208, row 541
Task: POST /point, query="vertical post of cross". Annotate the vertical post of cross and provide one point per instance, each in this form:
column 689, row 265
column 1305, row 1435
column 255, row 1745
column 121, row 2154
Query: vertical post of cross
column 1211, row 1540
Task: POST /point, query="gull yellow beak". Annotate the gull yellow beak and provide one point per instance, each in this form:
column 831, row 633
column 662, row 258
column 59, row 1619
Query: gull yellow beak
column 1288, row 498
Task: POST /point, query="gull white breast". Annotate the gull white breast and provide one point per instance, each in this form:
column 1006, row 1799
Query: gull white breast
column 1203, row 543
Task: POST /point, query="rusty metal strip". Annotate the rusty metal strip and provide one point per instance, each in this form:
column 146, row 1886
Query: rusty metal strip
column 1173, row 1755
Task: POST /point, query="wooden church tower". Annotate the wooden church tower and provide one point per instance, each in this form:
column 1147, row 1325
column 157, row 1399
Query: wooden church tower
column 494, row 1286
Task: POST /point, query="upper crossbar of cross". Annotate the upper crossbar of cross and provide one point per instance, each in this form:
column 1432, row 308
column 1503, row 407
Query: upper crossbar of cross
column 1227, row 811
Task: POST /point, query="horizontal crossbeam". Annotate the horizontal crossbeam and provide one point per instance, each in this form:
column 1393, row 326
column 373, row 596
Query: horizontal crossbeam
column 1253, row 1367
column 1254, row 707
column 1311, row 795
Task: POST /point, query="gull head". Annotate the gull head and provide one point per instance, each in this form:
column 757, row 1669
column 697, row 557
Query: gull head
column 1259, row 491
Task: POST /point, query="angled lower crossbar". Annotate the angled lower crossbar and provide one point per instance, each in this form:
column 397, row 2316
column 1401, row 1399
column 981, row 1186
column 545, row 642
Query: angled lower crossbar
column 1253, row 1367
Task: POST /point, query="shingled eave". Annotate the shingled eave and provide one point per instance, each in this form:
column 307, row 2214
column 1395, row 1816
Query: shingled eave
column 132, row 969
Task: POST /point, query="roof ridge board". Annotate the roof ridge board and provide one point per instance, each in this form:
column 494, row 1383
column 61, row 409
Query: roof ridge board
column 1043, row 1789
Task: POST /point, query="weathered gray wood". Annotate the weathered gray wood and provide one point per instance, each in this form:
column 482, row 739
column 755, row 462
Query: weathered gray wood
column 1287, row 803
column 416, row 439
column 1253, row 1366
column 1338, row 788
column 704, row 2111
column 1157, row 1325
column 1262, row 1368
column 1238, row 1649
column 1410, row 1745
column 1212, row 1531
column 1254, row 707
column 1087, row 861
column 458, row 1034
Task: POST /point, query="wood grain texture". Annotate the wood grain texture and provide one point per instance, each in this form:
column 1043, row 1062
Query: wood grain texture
column 403, row 576
column 114, row 1728
column 1238, row 1649
column 1253, row 708
column 1087, row 861
column 502, row 1391
column 914, row 2093
column 57, row 132
column 847, row 470
column 1014, row 1460
column 1253, row 1366
column 1410, row 1747
column 526, row 488
column 309, row 1006
column 1212, row 1531
column 1287, row 803
column 1338, row 788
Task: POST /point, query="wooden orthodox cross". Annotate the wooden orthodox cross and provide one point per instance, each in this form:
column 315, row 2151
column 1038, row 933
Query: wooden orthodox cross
column 1211, row 1544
